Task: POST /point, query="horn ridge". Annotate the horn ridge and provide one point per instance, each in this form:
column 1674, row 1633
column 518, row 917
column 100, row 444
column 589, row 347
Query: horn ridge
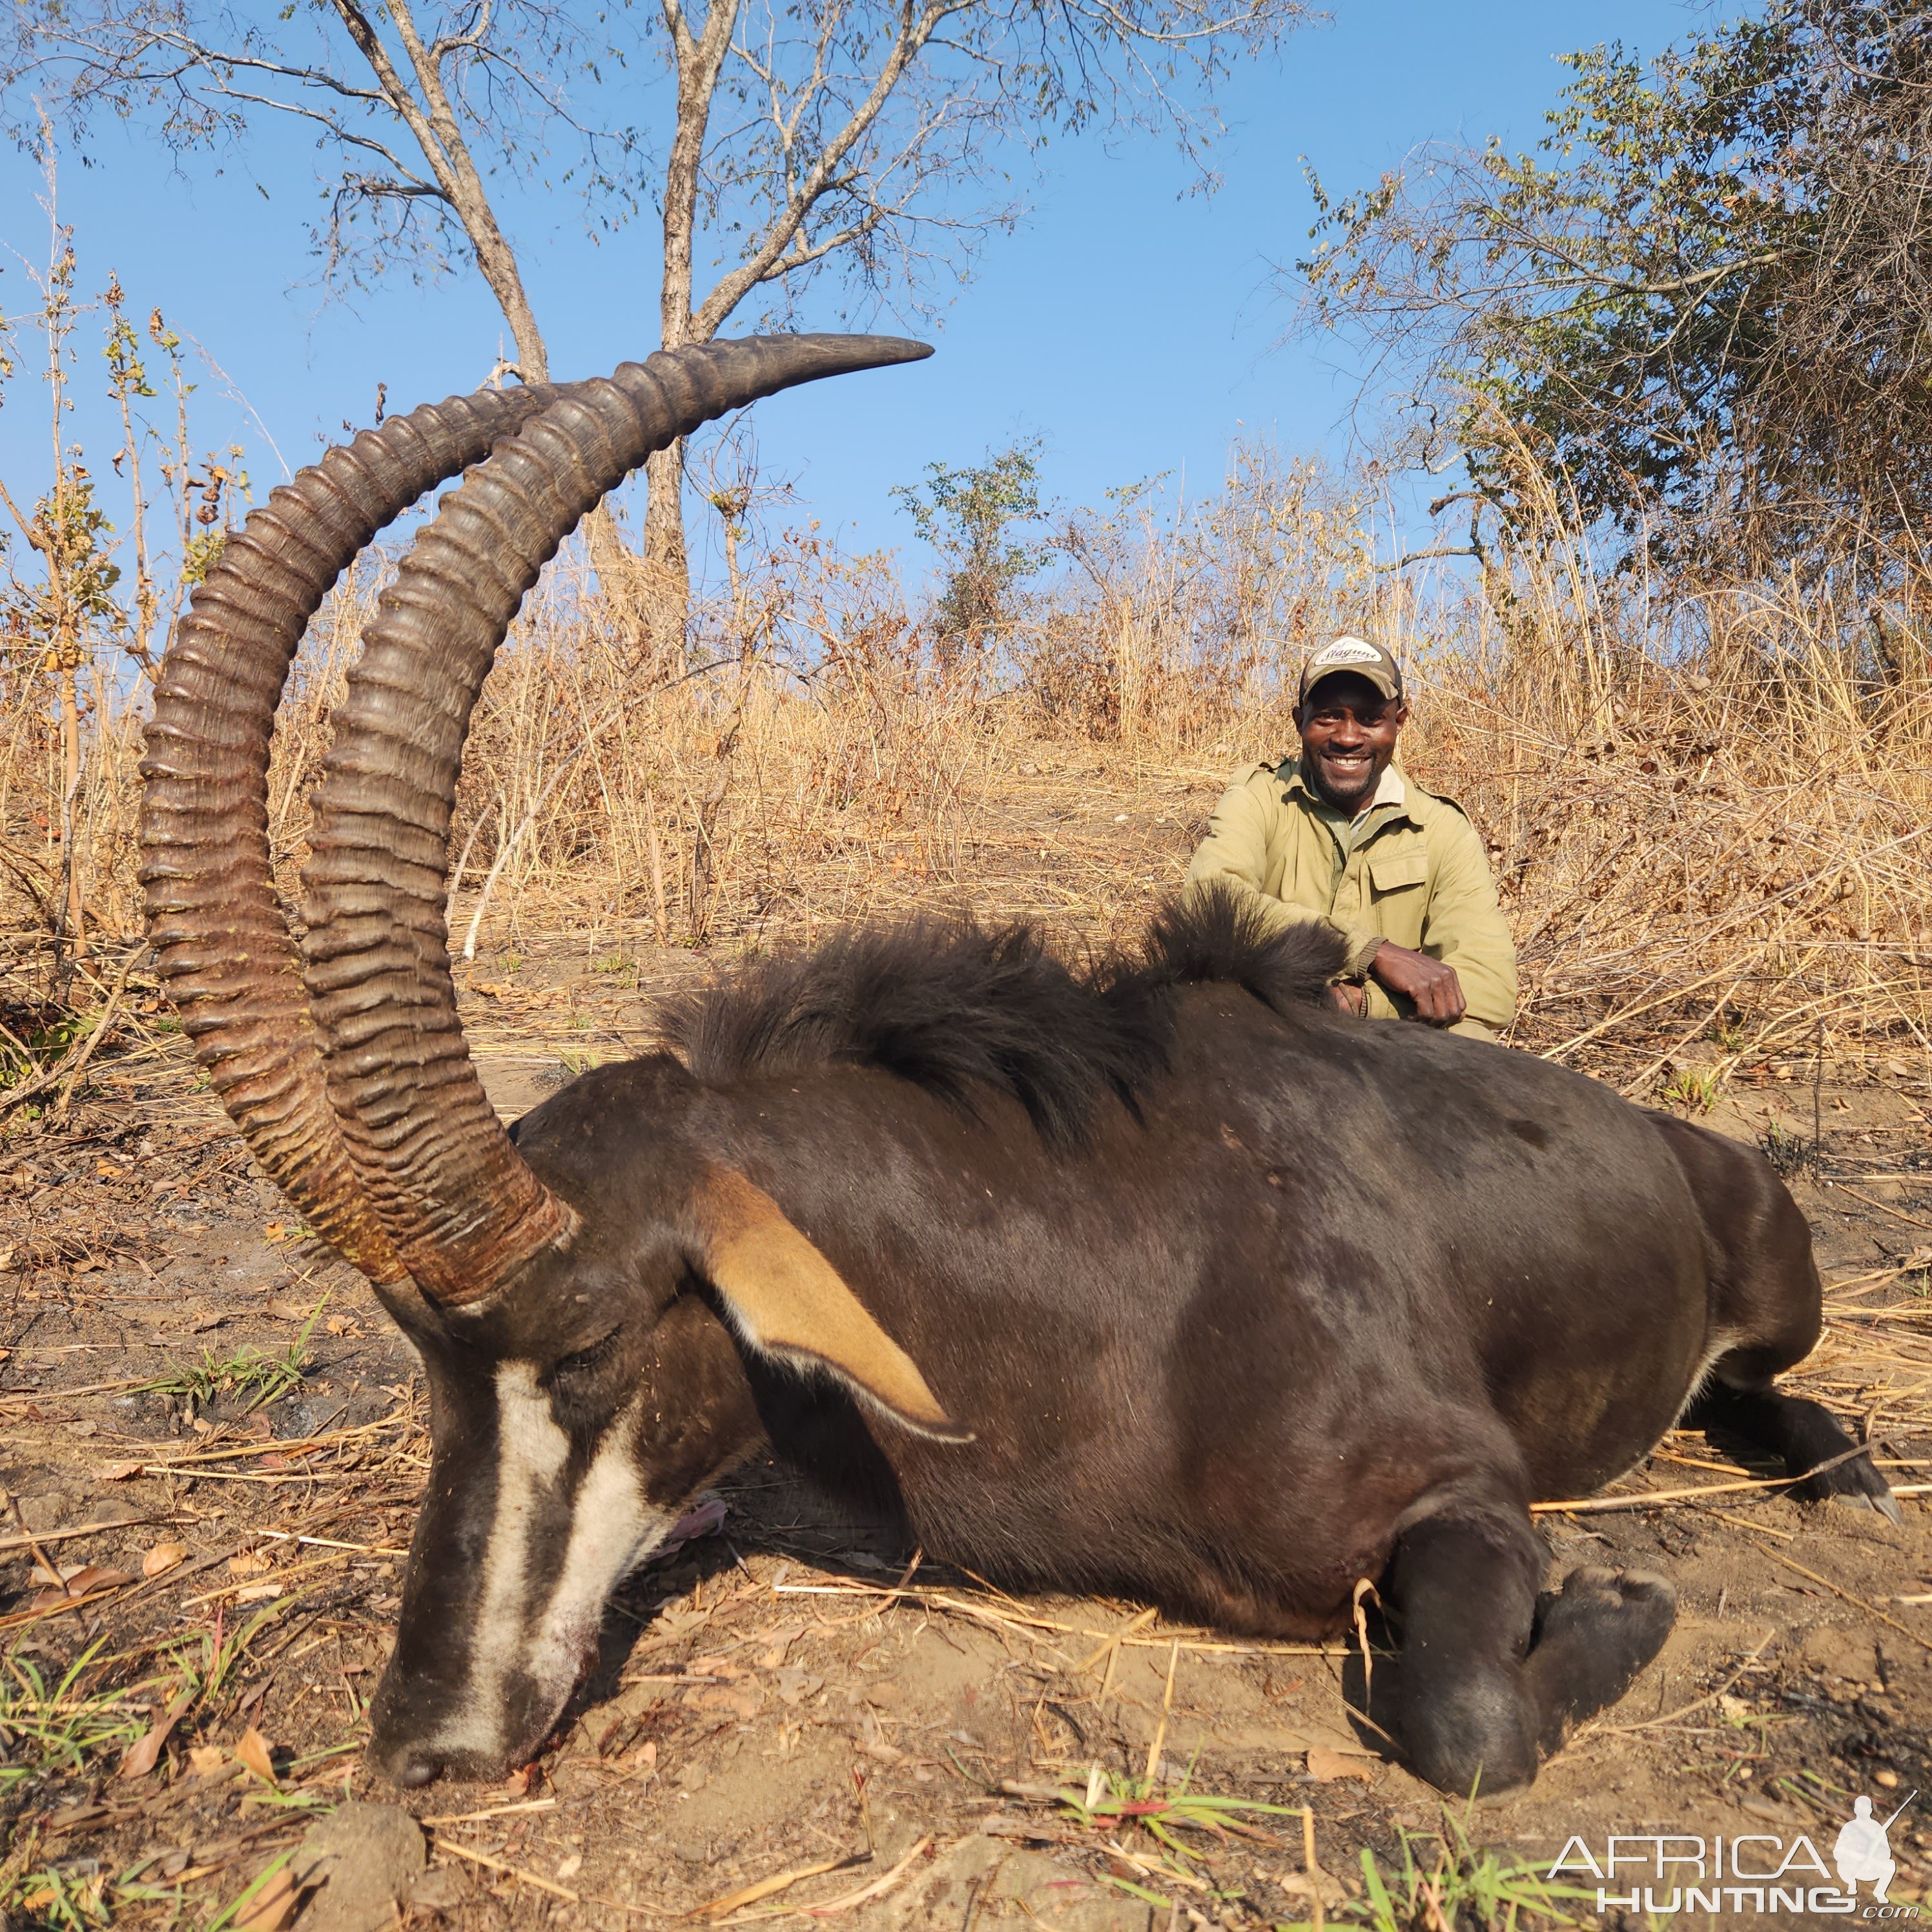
column 223, row 949
column 463, row 1209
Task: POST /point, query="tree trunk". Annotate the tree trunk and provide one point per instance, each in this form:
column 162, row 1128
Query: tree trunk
column 667, row 569
column 664, row 572
column 73, row 910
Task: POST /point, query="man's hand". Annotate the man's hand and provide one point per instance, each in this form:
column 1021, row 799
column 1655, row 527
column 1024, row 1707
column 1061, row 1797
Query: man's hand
column 1351, row 999
column 1434, row 987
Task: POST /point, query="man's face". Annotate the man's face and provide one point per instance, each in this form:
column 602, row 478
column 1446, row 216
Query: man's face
column 1349, row 732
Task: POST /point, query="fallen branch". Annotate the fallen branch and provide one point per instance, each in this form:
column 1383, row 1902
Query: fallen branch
column 1593, row 1505
column 1838, row 1590
column 1696, row 1703
column 509, row 1871
column 768, row 1887
column 877, row 1889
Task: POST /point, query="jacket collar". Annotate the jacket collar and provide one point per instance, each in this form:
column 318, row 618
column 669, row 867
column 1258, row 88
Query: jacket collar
column 1391, row 790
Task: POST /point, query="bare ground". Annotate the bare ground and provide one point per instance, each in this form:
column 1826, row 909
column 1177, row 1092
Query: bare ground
column 782, row 1694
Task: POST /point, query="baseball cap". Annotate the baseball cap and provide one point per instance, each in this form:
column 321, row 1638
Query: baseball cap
column 1358, row 655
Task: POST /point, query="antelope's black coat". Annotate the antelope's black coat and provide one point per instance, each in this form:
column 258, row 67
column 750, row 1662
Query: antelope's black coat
column 1242, row 1300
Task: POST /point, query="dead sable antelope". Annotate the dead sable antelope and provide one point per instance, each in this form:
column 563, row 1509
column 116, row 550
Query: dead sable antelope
column 1161, row 1277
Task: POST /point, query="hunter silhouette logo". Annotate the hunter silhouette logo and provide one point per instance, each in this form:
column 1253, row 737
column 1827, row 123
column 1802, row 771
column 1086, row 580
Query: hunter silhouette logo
column 1863, row 1852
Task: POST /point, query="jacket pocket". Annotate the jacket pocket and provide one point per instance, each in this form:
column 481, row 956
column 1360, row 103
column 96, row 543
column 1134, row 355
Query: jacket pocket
column 1397, row 870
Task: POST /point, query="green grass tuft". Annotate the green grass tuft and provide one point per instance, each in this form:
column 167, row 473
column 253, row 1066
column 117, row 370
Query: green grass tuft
column 1465, row 1888
column 263, row 1378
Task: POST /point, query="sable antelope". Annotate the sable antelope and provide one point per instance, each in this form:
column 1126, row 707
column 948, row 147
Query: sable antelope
column 1158, row 1277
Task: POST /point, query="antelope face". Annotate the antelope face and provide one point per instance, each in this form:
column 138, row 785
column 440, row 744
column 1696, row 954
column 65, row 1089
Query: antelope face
column 572, row 1418
column 548, row 1483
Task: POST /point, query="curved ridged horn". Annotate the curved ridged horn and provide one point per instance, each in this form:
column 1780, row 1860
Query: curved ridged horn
column 454, row 1196
column 224, row 949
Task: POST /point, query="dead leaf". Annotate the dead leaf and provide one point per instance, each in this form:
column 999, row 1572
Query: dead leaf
column 1325, row 1766
column 273, row 1907
column 1321, row 1885
column 795, row 1685
column 259, row 1593
column 252, row 1749
column 88, row 1581
column 714, row 1666
column 204, row 1760
column 202, row 1319
column 141, row 1757
column 517, row 1784
column 163, row 1557
column 97, row 1577
column 743, row 1701
column 117, row 1472
column 249, row 1563
column 780, row 1637
column 681, row 1623
column 645, row 1757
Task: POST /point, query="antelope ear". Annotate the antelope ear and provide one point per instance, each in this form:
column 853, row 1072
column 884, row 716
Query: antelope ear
column 786, row 1297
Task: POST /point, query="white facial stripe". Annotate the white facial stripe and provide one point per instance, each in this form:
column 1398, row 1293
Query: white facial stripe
column 531, row 1452
column 612, row 1529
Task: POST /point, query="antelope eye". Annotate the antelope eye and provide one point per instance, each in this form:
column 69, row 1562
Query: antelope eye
column 584, row 1362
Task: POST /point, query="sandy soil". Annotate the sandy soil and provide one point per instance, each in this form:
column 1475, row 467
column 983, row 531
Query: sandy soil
column 780, row 1694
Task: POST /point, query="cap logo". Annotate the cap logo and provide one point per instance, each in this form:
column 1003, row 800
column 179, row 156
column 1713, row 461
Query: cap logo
column 1344, row 651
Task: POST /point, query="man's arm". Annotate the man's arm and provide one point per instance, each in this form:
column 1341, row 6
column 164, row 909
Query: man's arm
column 1233, row 856
column 1467, row 951
column 1431, row 986
column 1464, row 926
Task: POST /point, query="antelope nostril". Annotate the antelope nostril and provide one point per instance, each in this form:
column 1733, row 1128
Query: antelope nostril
column 415, row 1771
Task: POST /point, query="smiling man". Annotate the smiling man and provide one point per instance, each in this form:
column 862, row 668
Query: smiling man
column 1339, row 835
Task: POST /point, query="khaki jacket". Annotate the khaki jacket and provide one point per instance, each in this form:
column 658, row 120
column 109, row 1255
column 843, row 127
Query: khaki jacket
column 1416, row 875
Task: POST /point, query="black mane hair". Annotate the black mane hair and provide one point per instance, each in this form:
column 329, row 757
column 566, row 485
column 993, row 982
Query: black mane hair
column 952, row 1006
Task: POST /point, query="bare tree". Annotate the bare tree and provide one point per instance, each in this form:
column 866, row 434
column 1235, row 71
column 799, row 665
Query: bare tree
column 875, row 138
column 411, row 125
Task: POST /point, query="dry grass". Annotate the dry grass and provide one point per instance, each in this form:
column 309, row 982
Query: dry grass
column 1708, row 816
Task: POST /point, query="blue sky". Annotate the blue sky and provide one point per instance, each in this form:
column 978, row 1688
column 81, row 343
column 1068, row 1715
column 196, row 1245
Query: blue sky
column 1131, row 327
